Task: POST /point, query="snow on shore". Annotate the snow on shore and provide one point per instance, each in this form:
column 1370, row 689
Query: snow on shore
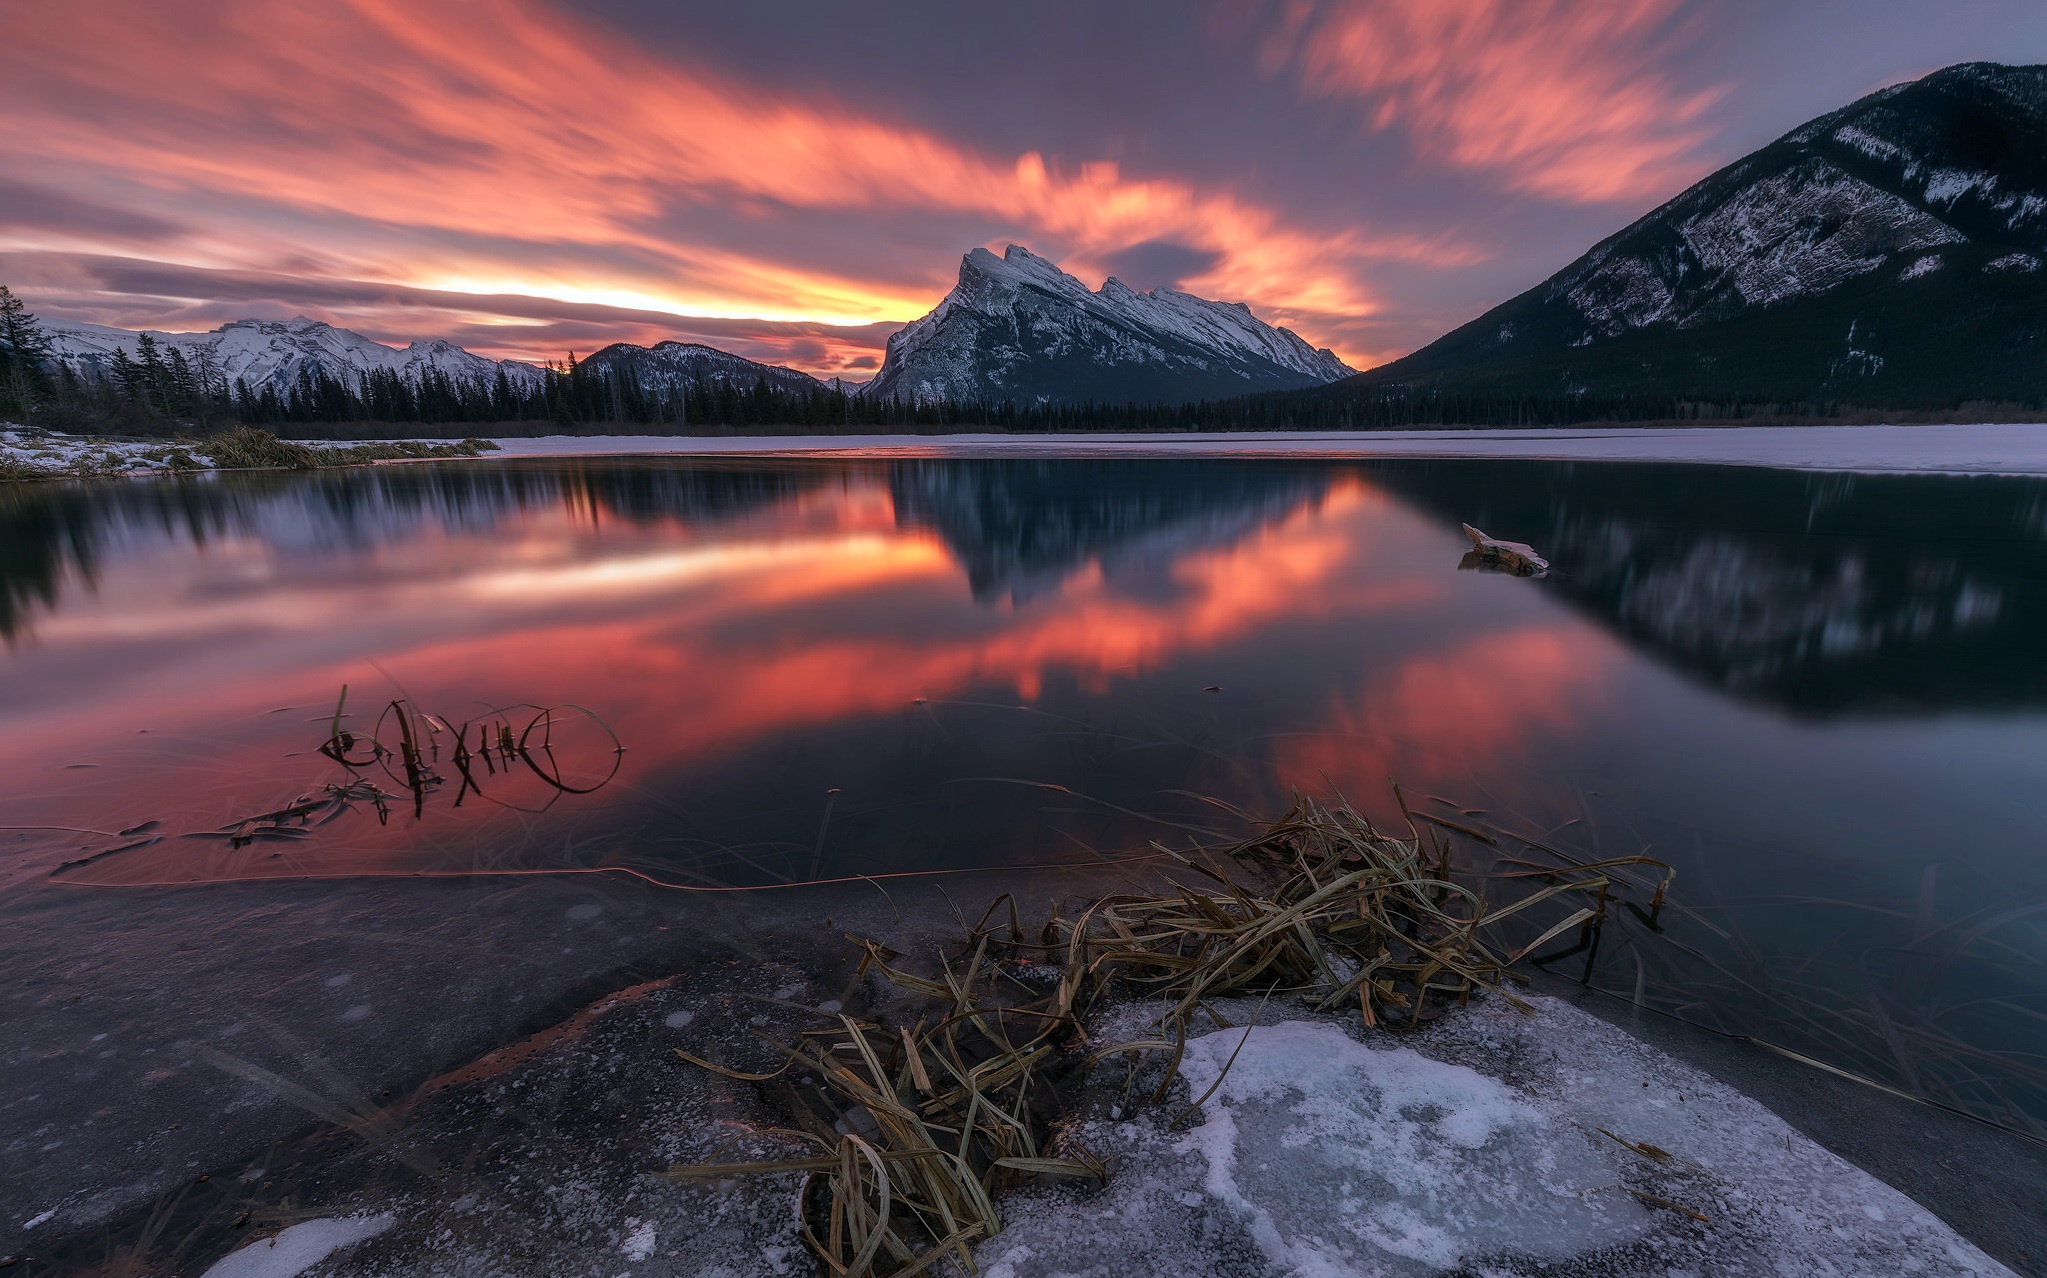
column 1969, row 449
column 1493, row 1144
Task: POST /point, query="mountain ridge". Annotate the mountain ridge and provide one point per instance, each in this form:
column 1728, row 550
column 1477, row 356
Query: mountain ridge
column 271, row 355
column 1018, row 328
column 1887, row 250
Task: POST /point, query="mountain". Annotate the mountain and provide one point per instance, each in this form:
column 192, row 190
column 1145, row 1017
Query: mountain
column 672, row 365
column 1018, row 328
column 272, row 352
column 1888, row 253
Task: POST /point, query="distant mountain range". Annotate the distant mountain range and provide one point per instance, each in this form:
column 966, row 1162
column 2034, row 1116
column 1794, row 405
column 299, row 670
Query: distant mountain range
column 1018, row 328
column 1888, row 253
column 272, row 353
column 275, row 353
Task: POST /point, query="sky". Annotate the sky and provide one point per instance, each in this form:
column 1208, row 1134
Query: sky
column 792, row 180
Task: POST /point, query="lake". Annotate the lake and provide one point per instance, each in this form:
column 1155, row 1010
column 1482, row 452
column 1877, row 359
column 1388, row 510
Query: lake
column 1819, row 698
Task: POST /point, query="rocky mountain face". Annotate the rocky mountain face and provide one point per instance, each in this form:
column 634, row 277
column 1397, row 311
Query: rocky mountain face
column 1890, row 251
column 272, row 353
column 1018, row 328
column 670, row 366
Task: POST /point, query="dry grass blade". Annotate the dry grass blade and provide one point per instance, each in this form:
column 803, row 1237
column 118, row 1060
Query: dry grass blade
column 930, row 1124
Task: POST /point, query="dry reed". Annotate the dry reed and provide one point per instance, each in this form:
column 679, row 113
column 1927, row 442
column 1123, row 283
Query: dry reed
column 929, row 1124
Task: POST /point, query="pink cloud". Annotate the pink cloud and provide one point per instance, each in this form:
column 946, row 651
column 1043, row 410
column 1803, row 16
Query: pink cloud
column 1567, row 99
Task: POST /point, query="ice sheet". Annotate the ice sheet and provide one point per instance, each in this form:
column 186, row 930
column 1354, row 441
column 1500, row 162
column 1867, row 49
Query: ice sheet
column 1480, row 1147
column 1959, row 449
column 298, row 1248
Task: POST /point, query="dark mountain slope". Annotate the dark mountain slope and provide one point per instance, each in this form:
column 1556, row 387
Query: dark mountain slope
column 1890, row 252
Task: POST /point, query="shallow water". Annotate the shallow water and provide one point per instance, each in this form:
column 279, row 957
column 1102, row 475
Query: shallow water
column 1819, row 697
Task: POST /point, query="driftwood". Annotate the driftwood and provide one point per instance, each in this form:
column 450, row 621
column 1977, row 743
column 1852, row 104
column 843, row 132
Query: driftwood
column 1502, row 556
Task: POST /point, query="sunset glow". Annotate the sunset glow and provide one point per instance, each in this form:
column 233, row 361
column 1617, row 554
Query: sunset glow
column 528, row 177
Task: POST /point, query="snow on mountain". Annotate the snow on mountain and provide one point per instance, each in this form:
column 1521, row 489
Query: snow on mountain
column 1884, row 182
column 273, row 352
column 1910, row 218
column 670, row 365
column 1017, row 327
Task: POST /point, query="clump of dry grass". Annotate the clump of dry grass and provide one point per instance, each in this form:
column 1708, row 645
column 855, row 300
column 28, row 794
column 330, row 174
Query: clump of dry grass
column 935, row 1121
column 248, row 447
column 14, row 469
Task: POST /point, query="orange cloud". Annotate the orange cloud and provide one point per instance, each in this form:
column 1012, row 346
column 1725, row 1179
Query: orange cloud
column 1561, row 96
column 496, row 147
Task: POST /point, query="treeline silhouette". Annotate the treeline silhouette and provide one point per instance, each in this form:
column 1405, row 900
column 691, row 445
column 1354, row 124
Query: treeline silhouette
column 162, row 391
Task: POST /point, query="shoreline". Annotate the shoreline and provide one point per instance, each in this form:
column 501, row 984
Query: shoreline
column 2018, row 449
column 1982, row 449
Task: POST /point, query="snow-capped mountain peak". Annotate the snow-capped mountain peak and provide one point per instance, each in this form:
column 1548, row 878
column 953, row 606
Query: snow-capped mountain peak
column 1018, row 327
column 272, row 354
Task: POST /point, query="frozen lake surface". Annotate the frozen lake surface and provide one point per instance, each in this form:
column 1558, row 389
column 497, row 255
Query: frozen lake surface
column 1990, row 448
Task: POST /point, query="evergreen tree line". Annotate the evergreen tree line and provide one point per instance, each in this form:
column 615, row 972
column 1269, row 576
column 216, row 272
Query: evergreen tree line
column 161, row 389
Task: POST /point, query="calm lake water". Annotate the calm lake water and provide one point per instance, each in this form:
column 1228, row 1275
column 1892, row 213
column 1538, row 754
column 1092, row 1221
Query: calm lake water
column 1821, row 698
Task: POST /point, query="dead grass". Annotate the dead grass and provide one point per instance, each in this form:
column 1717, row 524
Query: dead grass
column 929, row 1124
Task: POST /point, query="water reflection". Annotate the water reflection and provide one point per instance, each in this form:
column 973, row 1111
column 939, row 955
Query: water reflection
column 1824, row 594
column 875, row 667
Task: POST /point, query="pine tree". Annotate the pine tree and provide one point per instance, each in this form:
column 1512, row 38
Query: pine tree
column 24, row 353
column 154, row 376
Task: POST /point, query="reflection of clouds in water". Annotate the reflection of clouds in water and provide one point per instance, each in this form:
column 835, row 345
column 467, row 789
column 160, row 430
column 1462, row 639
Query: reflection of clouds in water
column 1440, row 716
column 823, row 607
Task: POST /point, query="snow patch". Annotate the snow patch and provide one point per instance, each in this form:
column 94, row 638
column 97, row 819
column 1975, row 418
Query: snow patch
column 299, row 1248
column 1328, row 1148
column 639, row 1241
column 1483, row 1147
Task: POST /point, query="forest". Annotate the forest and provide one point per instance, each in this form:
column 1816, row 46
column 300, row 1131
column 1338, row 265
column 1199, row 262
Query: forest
column 160, row 391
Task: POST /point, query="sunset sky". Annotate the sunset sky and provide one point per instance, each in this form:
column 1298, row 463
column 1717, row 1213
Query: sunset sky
column 793, row 179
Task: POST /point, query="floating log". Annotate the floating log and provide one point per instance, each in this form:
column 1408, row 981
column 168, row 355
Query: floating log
column 1503, row 556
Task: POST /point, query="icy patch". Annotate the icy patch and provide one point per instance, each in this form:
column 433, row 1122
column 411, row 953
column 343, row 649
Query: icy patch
column 299, row 1248
column 1493, row 1143
column 1924, row 266
column 1340, row 1157
column 639, row 1243
column 39, row 454
column 676, row 1020
column 1979, row 448
column 2014, row 262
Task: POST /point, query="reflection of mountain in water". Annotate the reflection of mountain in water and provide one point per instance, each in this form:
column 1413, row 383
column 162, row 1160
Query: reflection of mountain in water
column 52, row 531
column 1020, row 528
column 1821, row 593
